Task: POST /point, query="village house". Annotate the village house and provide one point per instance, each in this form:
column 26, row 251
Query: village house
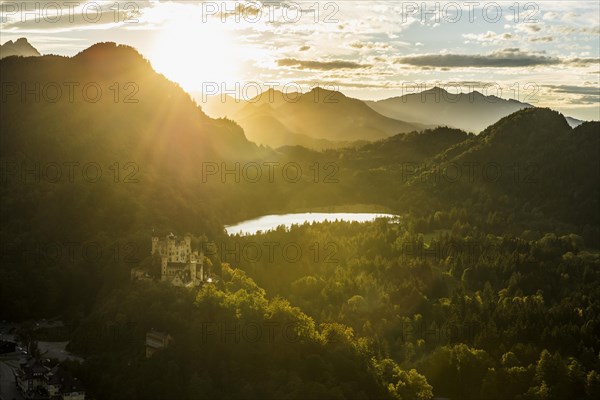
column 37, row 379
column 156, row 341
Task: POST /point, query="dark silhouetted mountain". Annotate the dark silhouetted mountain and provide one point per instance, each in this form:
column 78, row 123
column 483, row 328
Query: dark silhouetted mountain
column 531, row 161
column 134, row 104
column 20, row 47
column 119, row 111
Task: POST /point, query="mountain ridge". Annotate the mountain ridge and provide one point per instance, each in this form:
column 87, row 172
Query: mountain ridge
column 145, row 122
column 319, row 118
column 471, row 111
column 20, row 47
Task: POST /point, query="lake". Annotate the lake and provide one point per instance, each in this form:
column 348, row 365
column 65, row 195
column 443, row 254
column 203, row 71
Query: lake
column 270, row 222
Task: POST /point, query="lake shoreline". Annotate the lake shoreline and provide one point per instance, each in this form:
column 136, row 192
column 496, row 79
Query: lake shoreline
column 270, row 222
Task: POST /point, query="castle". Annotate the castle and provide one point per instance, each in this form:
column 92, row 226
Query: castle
column 178, row 264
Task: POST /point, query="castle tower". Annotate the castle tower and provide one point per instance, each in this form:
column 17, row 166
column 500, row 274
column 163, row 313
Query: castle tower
column 193, row 271
column 155, row 245
column 170, row 247
column 163, row 268
column 176, row 257
column 201, row 267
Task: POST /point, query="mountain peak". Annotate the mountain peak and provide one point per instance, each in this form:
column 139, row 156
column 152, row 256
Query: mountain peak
column 110, row 56
column 529, row 122
column 322, row 90
column 270, row 93
column 104, row 49
column 21, row 47
column 322, row 95
column 471, row 111
column 435, row 89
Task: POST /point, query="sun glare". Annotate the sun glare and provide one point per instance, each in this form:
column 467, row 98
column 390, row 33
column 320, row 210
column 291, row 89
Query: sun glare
column 191, row 52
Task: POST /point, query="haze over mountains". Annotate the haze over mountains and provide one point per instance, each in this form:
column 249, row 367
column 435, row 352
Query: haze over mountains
column 325, row 119
column 322, row 119
column 317, row 119
column 20, row 47
column 472, row 111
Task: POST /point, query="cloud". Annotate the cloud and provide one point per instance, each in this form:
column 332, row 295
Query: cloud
column 584, row 100
column 585, row 94
column 489, row 36
column 591, row 31
column 582, row 62
column 370, row 45
column 572, row 89
column 345, row 82
column 320, row 65
column 570, row 16
column 304, row 48
column 46, row 17
column 358, row 85
column 542, row 39
column 242, row 11
column 589, row 99
column 570, row 30
column 525, row 29
column 506, row 58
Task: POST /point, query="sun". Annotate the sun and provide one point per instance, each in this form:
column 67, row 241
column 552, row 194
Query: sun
column 194, row 53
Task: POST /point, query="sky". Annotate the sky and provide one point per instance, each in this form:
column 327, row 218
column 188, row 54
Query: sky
column 545, row 53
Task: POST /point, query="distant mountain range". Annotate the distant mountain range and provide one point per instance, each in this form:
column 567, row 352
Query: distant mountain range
column 318, row 119
column 573, row 122
column 472, row 112
column 322, row 119
column 20, row 47
column 325, row 119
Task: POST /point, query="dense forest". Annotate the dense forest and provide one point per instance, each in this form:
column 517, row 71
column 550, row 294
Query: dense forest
column 457, row 303
column 485, row 287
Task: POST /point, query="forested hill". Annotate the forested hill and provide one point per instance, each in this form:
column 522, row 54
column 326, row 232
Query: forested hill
column 108, row 97
column 103, row 141
column 531, row 162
